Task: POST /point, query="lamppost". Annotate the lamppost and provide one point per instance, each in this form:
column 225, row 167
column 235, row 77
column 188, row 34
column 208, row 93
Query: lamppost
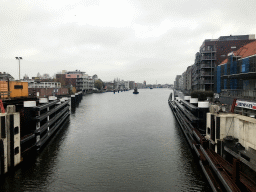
column 19, row 58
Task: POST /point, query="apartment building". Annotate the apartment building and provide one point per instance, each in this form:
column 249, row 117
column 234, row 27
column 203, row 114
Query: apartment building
column 84, row 83
column 212, row 53
column 236, row 75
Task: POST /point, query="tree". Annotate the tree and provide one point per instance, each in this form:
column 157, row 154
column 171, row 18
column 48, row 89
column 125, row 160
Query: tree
column 98, row 84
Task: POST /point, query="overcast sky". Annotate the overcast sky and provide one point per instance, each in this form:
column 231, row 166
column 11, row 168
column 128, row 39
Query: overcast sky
column 152, row 40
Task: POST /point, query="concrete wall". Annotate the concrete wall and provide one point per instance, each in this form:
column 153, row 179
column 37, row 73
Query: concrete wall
column 237, row 126
column 10, row 124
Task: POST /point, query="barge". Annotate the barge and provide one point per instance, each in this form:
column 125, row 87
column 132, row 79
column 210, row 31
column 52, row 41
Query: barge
column 204, row 130
column 27, row 125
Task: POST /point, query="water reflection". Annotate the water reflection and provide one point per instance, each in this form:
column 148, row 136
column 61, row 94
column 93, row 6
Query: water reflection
column 115, row 142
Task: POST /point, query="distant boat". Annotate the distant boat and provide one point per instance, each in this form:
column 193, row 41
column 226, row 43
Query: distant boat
column 135, row 91
column 151, row 87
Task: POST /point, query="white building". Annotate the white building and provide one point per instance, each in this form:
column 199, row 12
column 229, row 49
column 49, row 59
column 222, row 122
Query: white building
column 84, row 83
column 44, row 84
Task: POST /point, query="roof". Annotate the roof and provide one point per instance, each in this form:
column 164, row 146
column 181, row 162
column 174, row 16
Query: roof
column 245, row 51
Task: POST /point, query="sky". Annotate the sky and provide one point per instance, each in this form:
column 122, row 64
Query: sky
column 136, row 40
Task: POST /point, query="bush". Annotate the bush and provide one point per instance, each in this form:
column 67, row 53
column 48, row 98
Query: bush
column 201, row 95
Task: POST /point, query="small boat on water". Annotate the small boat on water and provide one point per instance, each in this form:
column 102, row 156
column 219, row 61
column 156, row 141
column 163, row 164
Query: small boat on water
column 135, row 91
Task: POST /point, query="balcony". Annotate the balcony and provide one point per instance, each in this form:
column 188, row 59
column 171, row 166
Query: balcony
column 244, row 76
column 208, row 50
column 206, row 66
column 202, row 81
column 202, row 73
column 238, row 93
column 195, row 82
column 213, row 57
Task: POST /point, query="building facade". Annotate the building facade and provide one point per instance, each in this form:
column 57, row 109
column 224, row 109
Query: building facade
column 84, row 83
column 236, row 76
column 177, row 82
column 212, row 53
column 36, row 84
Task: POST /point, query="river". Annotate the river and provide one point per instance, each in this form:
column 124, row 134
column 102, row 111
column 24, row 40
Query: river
column 114, row 142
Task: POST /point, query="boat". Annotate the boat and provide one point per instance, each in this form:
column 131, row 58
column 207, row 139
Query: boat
column 202, row 126
column 135, row 91
column 28, row 124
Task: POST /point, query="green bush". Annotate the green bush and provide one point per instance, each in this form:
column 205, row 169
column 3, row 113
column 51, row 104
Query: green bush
column 201, row 95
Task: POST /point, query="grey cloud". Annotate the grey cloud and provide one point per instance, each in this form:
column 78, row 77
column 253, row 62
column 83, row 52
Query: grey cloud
column 47, row 42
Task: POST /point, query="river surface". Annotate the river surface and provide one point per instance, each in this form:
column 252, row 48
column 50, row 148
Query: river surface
column 114, row 142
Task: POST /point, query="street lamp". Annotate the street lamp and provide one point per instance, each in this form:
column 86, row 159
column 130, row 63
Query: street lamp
column 19, row 58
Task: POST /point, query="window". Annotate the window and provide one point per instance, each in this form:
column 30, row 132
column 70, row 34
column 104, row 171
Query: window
column 18, row 86
column 16, row 130
column 16, row 150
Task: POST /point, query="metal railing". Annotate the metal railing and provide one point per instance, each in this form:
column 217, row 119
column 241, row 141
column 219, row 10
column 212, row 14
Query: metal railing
column 206, row 66
column 208, row 50
column 202, row 81
column 202, row 73
column 208, row 58
column 238, row 93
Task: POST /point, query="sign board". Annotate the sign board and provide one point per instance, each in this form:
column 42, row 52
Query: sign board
column 246, row 104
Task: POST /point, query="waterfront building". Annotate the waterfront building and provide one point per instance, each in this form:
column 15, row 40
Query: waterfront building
column 109, row 86
column 40, row 84
column 181, row 81
column 144, row 83
column 131, row 84
column 195, row 82
column 177, row 82
column 139, row 85
column 85, row 83
column 123, row 85
column 187, row 80
column 72, row 76
column 236, row 75
column 126, row 85
column 212, row 53
column 45, row 88
column 69, row 78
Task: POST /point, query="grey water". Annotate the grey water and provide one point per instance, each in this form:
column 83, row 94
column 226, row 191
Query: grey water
column 114, row 142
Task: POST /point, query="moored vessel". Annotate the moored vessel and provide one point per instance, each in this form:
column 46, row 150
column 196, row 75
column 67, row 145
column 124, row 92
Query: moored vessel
column 208, row 133
column 135, row 91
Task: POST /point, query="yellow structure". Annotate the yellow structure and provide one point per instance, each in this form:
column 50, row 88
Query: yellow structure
column 16, row 89
column 3, row 89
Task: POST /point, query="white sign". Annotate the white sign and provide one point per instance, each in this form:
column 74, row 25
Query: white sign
column 246, row 104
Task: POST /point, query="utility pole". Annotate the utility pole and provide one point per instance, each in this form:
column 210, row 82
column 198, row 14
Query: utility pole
column 19, row 58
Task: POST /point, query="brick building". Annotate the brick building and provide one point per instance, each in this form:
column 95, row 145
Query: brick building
column 212, row 53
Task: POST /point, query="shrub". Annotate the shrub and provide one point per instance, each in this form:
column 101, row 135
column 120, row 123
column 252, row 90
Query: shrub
column 201, row 95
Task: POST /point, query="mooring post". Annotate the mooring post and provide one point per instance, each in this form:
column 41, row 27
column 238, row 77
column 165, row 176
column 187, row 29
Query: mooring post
column 236, row 171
